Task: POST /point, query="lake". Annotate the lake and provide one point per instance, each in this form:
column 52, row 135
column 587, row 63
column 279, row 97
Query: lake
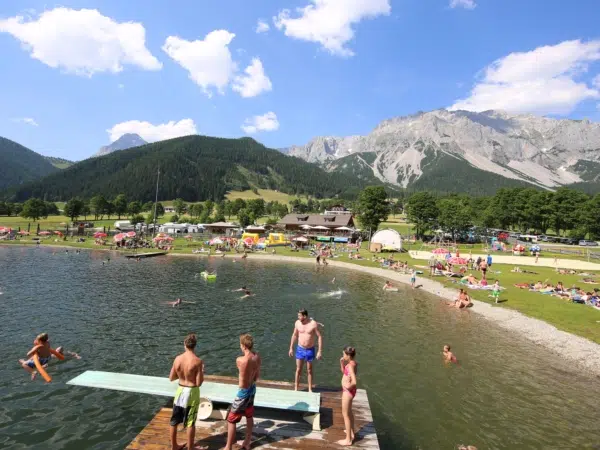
column 506, row 392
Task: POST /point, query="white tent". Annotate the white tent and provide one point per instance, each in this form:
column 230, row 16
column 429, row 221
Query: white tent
column 389, row 240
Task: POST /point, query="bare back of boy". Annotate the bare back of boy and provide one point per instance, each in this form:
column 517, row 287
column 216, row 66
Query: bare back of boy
column 189, row 369
column 249, row 367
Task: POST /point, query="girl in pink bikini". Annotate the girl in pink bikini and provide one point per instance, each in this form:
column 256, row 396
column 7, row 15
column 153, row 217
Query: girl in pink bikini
column 349, row 367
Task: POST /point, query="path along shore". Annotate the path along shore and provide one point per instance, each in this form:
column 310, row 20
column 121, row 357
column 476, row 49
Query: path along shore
column 581, row 351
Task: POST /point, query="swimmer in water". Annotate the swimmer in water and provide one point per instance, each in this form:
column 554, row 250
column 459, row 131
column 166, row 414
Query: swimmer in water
column 246, row 292
column 177, row 302
column 387, row 286
column 448, row 355
column 66, row 353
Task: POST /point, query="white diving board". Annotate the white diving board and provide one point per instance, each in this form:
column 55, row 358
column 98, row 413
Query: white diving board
column 283, row 399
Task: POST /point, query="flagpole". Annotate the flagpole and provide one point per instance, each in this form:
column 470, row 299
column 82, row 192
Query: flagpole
column 156, row 202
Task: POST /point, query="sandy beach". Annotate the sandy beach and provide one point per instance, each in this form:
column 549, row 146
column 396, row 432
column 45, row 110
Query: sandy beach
column 522, row 260
column 581, row 351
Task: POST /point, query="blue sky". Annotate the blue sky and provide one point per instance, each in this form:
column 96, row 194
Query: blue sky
column 73, row 78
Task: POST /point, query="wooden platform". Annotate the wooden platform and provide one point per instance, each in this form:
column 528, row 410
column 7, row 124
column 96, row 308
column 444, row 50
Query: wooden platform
column 272, row 429
column 146, row 255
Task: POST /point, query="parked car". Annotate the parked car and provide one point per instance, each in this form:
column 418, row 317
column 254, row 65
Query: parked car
column 586, row 243
column 569, row 241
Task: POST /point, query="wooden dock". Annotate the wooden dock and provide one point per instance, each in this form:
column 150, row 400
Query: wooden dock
column 146, row 255
column 272, row 429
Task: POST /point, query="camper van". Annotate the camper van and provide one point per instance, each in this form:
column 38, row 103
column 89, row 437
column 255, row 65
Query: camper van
column 123, row 225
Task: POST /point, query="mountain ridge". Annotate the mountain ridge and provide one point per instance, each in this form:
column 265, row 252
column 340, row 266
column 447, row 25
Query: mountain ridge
column 19, row 165
column 127, row 141
column 194, row 168
column 540, row 151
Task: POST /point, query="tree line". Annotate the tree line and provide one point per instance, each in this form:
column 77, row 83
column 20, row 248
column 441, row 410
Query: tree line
column 566, row 210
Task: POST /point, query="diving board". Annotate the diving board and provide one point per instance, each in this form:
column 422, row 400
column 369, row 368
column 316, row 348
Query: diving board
column 308, row 403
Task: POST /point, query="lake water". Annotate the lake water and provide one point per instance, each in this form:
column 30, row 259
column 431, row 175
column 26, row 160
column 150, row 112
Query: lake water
column 506, row 393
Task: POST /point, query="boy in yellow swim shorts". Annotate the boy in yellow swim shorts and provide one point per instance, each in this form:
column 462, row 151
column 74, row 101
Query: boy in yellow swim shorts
column 189, row 369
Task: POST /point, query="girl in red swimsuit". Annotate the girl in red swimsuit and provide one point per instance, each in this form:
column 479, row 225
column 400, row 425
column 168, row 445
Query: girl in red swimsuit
column 348, row 367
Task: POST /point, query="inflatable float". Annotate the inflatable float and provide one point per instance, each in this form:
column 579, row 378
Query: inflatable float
column 40, row 368
column 209, row 276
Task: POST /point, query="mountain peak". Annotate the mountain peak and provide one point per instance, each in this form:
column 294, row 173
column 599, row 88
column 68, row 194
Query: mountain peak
column 128, row 140
column 525, row 148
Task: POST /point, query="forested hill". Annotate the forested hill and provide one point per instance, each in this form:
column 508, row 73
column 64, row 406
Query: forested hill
column 20, row 165
column 193, row 168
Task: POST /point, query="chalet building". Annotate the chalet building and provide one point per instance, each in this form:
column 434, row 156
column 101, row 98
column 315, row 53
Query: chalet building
column 225, row 228
column 301, row 222
column 337, row 210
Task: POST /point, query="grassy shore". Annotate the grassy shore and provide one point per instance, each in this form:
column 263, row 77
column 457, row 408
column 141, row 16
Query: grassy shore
column 573, row 318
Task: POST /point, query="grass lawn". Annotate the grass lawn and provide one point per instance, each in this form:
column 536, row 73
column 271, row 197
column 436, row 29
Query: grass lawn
column 266, row 194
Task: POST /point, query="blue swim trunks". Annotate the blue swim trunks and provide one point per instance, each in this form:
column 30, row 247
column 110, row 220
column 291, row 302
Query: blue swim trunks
column 43, row 362
column 305, row 354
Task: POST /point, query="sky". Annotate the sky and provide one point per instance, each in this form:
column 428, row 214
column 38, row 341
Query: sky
column 78, row 74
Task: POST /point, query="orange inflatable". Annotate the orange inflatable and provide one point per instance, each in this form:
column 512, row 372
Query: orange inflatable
column 40, row 368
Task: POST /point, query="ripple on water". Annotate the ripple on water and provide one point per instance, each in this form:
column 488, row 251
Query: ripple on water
column 506, row 392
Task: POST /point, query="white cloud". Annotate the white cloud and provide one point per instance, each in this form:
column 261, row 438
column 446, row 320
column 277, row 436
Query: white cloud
column 83, row 42
column 211, row 66
column 253, row 82
column 26, row 121
column 208, row 62
column 153, row 133
column 266, row 122
column 121, row 86
column 329, row 22
column 467, row 4
column 596, row 81
column 262, row 26
column 546, row 80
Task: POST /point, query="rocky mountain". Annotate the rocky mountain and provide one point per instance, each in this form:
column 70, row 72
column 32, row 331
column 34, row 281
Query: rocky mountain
column 126, row 141
column 491, row 146
column 19, row 165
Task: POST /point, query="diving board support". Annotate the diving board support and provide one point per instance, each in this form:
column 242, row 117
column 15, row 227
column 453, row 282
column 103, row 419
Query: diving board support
column 314, row 419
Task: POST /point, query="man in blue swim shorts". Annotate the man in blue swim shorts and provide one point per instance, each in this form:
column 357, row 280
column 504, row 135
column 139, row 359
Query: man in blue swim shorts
column 305, row 330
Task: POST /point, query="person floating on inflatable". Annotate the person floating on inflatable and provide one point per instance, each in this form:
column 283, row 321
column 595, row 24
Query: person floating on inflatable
column 39, row 357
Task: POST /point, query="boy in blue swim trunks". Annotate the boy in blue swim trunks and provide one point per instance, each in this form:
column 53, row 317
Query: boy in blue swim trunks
column 41, row 346
column 189, row 369
column 305, row 330
column 243, row 404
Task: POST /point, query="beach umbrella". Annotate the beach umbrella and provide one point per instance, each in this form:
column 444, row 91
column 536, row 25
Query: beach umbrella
column 300, row 239
column 320, row 227
column 440, row 251
column 216, row 241
column 23, row 233
column 248, row 241
column 100, row 235
column 344, row 229
column 306, row 227
column 119, row 237
column 58, row 232
column 44, row 233
column 130, row 234
column 3, row 230
column 458, row 261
